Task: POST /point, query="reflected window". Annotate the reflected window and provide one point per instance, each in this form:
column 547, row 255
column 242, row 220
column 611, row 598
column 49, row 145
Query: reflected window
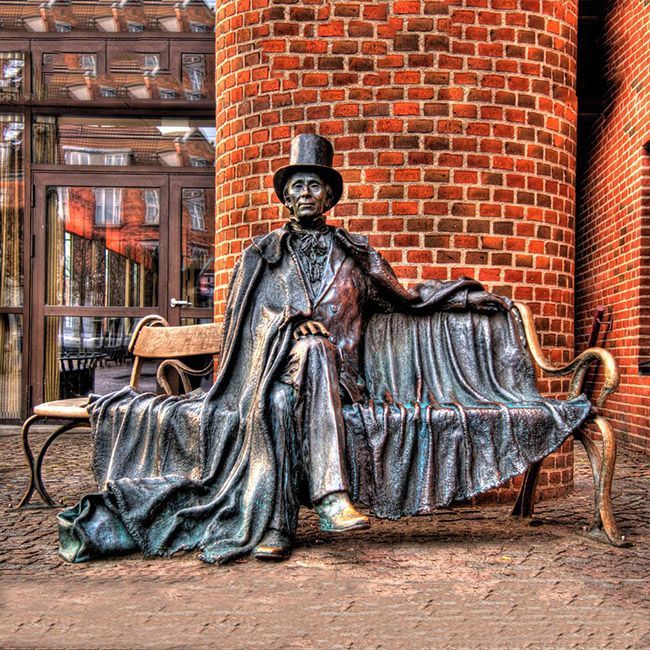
column 198, row 161
column 12, row 207
column 115, row 159
column 151, row 62
column 195, row 202
column 77, row 158
column 152, row 206
column 108, row 206
column 12, row 68
column 88, row 62
column 198, row 247
column 194, row 68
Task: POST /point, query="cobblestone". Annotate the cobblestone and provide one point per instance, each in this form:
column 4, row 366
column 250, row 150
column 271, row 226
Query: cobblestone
column 466, row 578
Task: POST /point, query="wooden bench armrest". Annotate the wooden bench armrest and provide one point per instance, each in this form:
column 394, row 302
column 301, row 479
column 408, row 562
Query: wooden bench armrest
column 183, row 371
column 578, row 366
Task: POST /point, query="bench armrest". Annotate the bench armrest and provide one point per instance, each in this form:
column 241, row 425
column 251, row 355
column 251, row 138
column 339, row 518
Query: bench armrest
column 183, row 370
column 579, row 366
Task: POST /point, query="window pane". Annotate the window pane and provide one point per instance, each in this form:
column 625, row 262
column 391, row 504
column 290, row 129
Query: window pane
column 11, row 349
column 89, row 355
column 12, row 70
column 123, row 142
column 101, row 249
column 198, row 246
column 107, row 16
column 12, row 204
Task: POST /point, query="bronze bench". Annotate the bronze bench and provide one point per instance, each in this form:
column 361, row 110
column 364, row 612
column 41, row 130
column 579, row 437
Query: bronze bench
column 154, row 339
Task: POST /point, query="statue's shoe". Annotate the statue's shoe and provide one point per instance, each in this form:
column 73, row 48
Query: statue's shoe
column 275, row 545
column 337, row 514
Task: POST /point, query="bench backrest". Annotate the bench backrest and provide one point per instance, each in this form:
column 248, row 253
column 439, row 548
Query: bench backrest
column 154, row 338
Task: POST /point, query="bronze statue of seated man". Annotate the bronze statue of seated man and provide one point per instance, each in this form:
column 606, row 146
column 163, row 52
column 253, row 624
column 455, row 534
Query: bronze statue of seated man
column 281, row 425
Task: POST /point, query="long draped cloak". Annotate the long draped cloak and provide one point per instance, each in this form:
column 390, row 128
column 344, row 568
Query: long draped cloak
column 453, row 411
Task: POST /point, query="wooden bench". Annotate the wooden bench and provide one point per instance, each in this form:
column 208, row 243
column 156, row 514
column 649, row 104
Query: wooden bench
column 152, row 340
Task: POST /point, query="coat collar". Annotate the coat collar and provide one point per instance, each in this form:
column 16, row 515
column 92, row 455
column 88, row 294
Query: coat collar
column 270, row 246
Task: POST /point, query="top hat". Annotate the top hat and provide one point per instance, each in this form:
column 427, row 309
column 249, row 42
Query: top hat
column 310, row 153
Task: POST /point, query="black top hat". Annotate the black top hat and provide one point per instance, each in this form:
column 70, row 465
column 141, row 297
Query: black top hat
column 310, row 152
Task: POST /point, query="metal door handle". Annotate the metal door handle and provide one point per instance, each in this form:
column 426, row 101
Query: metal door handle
column 179, row 303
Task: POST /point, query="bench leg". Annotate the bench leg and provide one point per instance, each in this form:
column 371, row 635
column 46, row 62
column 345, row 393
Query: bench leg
column 36, row 466
column 525, row 503
column 29, row 457
column 603, row 526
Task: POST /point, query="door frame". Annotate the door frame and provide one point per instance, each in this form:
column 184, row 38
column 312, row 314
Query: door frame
column 169, row 183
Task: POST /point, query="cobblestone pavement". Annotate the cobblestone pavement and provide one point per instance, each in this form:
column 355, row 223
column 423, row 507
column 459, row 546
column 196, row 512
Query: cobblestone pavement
column 467, row 578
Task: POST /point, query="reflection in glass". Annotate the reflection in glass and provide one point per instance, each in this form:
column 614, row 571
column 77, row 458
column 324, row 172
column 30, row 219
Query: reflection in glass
column 83, row 76
column 198, row 246
column 89, row 355
column 102, row 246
column 12, row 204
column 11, row 348
column 123, row 142
column 12, row 69
column 108, row 15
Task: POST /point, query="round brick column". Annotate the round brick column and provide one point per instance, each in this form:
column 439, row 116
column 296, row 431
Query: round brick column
column 454, row 128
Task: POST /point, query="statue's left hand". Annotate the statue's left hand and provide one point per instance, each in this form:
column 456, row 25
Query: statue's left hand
column 490, row 302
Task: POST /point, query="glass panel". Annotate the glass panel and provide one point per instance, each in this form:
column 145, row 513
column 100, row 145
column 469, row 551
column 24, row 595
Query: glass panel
column 89, row 355
column 12, row 69
column 198, row 80
column 198, row 246
column 102, row 246
column 67, row 75
column 142, row 75
column 12, row 205
column 130, row 74
column 108, row 15
column 11, row 348
column 123, row 142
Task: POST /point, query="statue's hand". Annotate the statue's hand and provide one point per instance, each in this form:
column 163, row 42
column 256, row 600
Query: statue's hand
column 490, row 302
column 310, row 328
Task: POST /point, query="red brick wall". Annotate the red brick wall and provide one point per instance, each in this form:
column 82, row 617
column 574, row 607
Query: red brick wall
column 454, row 127
column 614, row 218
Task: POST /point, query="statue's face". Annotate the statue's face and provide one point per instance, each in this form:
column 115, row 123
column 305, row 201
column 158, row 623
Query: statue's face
column 307, row 196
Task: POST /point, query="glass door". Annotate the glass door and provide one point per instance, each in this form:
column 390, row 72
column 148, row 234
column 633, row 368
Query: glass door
column 101, row 263
column 192, row 249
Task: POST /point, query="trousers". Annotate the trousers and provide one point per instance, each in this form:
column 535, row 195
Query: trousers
column 309, row 432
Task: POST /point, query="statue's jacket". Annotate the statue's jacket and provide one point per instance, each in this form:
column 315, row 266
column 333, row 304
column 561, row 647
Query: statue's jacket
column 442, row 405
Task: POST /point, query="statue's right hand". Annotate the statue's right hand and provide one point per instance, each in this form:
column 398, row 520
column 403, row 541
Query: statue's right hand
column 310, row 328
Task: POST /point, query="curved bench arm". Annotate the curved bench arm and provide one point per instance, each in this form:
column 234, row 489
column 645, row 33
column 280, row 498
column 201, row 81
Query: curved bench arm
column 183, row 371
column 579, row 366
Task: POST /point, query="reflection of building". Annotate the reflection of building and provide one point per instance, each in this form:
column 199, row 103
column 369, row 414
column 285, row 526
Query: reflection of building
column 117, row 119
column 107, row 16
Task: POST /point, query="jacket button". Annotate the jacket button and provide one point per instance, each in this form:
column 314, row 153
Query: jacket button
column 333, row 339
column 334, row 308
